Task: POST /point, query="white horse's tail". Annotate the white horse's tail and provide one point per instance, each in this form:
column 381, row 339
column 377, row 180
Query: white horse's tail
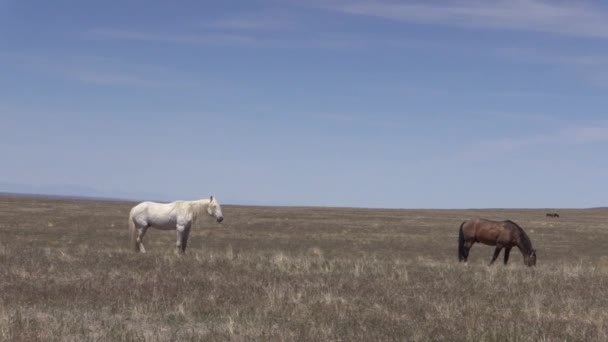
column 133, row 232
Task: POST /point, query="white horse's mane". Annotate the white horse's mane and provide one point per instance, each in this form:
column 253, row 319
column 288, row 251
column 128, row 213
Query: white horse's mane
column 194, row 207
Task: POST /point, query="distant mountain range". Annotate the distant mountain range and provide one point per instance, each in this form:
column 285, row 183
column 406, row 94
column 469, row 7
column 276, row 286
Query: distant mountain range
column 75, row 191
column 78, row 191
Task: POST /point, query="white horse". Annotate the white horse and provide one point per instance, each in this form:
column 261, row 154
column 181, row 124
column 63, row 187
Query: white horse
column 178, row 215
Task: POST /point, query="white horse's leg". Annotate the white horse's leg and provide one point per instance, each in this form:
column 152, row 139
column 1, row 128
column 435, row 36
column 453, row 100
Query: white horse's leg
column 180, row 232
column 141, row 231
column 182, row 238
column 185, row 238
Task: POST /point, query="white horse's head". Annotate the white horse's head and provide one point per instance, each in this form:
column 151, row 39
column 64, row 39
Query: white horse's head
column 214, row 209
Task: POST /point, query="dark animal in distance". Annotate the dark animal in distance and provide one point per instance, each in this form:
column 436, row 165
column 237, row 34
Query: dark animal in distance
column 552, row 215
column 502, row 234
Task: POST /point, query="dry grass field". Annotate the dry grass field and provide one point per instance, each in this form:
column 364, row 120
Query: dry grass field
column 67, row 273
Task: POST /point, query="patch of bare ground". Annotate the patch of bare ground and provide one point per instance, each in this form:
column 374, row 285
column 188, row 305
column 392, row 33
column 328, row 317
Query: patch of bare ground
column 318, row 274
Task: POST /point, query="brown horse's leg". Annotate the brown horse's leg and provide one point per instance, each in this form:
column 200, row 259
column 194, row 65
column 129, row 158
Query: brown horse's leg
column 496, row 252
column 507, row 251
column 465, row 250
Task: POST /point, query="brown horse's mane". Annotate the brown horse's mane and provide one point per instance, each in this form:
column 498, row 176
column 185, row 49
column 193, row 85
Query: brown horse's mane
column 526, row 244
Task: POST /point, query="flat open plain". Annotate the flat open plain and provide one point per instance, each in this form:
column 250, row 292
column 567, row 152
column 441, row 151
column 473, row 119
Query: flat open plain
column 67, row 273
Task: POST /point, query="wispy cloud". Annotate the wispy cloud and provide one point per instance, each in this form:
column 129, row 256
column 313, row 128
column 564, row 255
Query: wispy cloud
column 590, row 66
column 590, row 133
column 321, row 40
column 257, row 21
column 97, row 70
column 574, row 18
column 586, row 134
column 176, row 38
column 99, row 77
column 535, row 55
column 346, row 119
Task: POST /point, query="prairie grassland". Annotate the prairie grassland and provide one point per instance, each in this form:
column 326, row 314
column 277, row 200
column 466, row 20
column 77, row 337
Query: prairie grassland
column 309, row 274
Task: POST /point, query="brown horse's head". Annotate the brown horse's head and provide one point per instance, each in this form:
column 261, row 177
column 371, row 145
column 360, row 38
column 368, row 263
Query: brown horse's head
column 530, row 258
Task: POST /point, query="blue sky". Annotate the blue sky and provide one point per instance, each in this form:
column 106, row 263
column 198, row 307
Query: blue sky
column 414, row 104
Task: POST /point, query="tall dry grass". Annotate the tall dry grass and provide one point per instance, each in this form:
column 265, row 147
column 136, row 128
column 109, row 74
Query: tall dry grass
column 306, row 274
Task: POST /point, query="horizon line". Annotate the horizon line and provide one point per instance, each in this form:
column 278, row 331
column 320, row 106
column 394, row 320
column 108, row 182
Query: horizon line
column 124, row 199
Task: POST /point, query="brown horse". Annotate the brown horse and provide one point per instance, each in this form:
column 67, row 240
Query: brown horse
column 505, row 234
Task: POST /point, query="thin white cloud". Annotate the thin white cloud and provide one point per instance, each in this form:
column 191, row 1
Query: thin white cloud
column 574, row 18
column 591, row 133
column 354, row 119
column 131, row 35
column 97, row 70
column 244, row 24
column 535, row 55
column 319, row 40
column 590, row 66
column 99, row 77
column 258, row 21
column 586, row 134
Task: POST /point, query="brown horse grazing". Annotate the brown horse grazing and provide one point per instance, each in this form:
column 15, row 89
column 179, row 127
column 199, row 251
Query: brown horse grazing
column 505, row 234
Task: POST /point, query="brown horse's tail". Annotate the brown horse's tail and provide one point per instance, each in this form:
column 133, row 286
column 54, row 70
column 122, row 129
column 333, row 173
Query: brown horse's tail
column 133, row 232
column 461, row 250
